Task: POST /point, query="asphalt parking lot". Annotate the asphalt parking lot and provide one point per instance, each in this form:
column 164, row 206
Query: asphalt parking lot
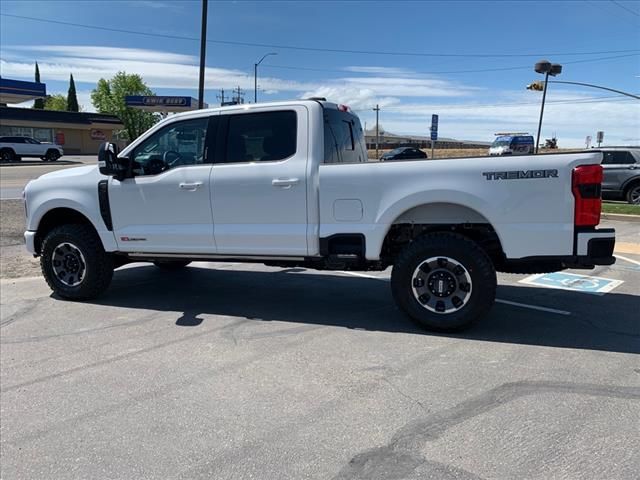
column 244, row 371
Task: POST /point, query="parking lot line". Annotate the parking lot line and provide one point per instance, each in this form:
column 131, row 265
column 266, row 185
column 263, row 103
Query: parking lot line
column 533, row 307
column 635, row 262
column 498, row 300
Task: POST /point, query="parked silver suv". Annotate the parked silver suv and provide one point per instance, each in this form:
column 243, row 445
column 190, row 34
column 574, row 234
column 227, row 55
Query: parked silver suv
column 621, row 173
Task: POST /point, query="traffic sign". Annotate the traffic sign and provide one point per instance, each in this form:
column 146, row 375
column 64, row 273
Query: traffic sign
column 434, row 127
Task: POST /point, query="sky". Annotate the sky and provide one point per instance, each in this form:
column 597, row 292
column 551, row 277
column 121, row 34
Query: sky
column 468, row 62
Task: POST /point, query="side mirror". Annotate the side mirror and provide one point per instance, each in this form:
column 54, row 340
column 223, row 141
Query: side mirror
column 110, row 164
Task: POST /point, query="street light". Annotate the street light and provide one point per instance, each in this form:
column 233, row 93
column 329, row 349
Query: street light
column 203, row 48
column 255, row 76
column 547, row 68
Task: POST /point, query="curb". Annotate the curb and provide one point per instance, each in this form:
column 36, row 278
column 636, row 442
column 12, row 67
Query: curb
column 621, row 217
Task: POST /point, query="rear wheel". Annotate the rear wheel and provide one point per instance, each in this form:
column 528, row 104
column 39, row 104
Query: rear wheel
column 74, row 263
column 444, row 281
column 633, row 194
column 171, row 264
column 7, row 155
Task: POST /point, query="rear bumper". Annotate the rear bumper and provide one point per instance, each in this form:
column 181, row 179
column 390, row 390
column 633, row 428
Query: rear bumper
column 594, row 248
column 591, row 248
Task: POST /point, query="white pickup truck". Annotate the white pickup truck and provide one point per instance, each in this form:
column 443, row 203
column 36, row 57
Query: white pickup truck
column 14, row 148
column 289, row 184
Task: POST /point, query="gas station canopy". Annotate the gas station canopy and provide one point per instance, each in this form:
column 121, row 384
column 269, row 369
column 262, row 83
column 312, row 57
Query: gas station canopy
column 157, row 103
column 18, row 91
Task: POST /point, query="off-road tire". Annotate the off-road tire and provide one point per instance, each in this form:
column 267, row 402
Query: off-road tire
column 171, row 265
column 467, row 254
column 99, row 264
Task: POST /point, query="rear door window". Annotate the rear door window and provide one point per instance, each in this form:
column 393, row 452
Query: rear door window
column 262, row 137
column 618, row 158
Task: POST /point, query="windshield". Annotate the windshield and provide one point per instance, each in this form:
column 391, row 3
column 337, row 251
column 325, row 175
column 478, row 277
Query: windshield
column 396, row 151
column 502, row 142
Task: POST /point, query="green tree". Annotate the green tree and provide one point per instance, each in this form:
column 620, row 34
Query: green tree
column 55, row 102
column 39, row 102
column 109, row 97
column 72, row 99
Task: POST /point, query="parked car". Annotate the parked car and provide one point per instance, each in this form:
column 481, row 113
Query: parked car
column 288, row 184
column 14, row 148
column 512, row 145
column 621, row 167
column 403, row 153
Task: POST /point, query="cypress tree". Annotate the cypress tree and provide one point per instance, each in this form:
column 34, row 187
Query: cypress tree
column 39, row 102
column 72, row 99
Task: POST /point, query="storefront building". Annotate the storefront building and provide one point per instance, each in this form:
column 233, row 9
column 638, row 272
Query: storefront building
column 77, row 132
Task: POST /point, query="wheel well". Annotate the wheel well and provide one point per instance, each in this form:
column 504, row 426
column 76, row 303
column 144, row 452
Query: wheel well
column 402, row 234
column 630, row 184
column 56, row 217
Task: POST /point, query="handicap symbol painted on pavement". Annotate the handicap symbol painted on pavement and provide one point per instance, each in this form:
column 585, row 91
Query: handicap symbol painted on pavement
column 573, row 282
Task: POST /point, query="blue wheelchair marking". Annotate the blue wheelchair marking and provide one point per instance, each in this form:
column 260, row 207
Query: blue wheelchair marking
column 572, row 281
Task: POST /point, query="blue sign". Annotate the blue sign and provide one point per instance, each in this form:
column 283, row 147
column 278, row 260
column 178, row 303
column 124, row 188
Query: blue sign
column 14, row 91
column 157, row 101
column 434, row 127
column 573, row 282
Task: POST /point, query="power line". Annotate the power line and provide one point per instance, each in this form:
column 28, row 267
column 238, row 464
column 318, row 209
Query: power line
column 625, row 8
column 498, row 69
column 315, row 49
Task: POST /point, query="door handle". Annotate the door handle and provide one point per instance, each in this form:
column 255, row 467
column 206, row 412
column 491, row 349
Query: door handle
column 285, row 182
column 190, row 186
column 632, row 167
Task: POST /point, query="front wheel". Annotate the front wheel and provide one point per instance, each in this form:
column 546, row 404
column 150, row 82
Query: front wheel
column 74, row 263
column 52, row 156
column 444, row 282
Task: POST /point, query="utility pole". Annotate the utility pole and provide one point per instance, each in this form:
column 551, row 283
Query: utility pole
column 239, row 95
column 203, row 48
column 377, row 110
column 221, row 97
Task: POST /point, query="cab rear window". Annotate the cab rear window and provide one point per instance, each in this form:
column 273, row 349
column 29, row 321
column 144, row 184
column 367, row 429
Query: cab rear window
column 343, row 138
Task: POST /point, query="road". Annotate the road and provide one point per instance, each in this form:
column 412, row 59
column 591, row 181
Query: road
column 15, row 176
column 243, row 371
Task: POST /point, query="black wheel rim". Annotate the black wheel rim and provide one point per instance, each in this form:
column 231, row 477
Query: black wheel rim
column 68, row 264
column 441, row 285
column 635, row 195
